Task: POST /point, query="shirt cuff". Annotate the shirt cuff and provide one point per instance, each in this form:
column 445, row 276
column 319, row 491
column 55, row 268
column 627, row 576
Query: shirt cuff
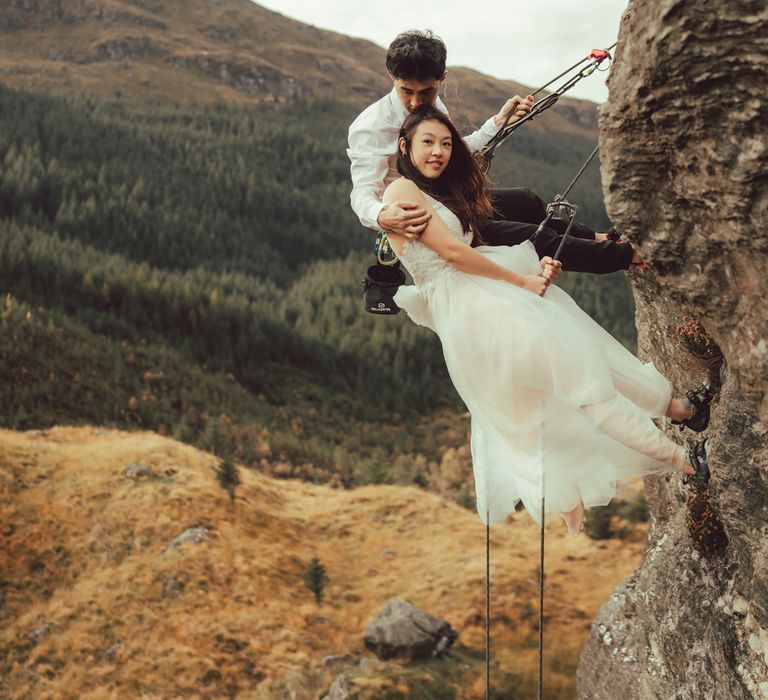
column 373, row 215
column 489, row 128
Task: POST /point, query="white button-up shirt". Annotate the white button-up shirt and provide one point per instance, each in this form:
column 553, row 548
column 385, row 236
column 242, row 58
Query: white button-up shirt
column 373, row 152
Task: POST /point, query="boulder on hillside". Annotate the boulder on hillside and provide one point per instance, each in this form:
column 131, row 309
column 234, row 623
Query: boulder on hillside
column 339, row 689
column 403, row 631
column 197, row 534
column 136, row 470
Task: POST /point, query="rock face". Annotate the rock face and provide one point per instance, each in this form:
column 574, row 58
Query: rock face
column 684, row 147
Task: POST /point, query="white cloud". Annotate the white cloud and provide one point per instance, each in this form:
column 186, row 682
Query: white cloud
column 530, row 42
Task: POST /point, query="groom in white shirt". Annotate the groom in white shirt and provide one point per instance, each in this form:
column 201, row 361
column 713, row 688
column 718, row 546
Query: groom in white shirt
column 416, row 64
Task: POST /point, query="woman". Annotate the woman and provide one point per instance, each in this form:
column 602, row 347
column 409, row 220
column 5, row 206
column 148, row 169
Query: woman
column 556, row 403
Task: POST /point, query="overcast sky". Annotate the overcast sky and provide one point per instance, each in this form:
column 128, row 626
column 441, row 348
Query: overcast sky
column 530, row 41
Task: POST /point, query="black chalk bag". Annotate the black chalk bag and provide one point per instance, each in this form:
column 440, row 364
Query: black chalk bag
column 379, row 287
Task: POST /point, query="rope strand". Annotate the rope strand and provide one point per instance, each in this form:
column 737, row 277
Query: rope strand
column 541, row 598
column 487, row 606
column 487, row 153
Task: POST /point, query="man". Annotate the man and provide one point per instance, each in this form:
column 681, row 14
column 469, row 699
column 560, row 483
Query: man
column 416, row 64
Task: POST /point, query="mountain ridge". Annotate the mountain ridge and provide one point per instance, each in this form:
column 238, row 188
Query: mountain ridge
column 222, row 51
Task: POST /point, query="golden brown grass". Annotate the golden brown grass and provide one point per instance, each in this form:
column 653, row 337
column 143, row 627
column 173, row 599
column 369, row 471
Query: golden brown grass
column 85, row 553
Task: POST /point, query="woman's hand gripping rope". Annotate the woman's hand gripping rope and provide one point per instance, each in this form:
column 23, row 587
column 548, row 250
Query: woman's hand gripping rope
column 550, row 271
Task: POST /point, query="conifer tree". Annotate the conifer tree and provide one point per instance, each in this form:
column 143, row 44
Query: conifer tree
column 228, row 476
column 315, row 578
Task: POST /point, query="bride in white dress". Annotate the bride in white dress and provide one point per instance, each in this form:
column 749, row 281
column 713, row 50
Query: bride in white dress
column 556, row 402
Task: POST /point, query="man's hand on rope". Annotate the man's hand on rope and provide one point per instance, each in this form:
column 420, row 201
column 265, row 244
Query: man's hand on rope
column 406, row 218
column 514, row 108
column 550, row 269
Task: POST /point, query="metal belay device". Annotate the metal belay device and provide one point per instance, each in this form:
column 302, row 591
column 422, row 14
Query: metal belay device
column 561, row 209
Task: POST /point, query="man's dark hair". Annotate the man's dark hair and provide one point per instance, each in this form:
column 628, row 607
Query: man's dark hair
column 416, row 55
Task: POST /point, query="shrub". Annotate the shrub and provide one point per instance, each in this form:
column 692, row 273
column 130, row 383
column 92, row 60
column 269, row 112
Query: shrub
column 636, row 510
column 597, row 523
column 315, row 578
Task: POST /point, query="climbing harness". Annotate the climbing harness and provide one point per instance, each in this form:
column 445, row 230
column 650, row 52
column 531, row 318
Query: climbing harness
column 381, row 283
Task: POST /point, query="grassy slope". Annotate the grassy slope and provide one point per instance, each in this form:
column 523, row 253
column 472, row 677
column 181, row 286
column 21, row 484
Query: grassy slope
column 86, row 564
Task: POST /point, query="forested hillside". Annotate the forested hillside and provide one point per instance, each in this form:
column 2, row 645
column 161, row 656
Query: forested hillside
column 231, row 52
column 218, row 243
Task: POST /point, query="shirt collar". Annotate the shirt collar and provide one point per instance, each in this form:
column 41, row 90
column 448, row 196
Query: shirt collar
column 398, row 106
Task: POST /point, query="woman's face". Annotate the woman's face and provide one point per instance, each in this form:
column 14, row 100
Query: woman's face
column 430, row 148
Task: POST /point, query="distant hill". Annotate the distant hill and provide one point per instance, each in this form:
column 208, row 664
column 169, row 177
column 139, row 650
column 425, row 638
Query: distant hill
column 168, row 262
column 220, row 51
column 98, row 603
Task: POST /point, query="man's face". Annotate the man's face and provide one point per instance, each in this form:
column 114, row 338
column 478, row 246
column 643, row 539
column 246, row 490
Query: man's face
column 414, row 93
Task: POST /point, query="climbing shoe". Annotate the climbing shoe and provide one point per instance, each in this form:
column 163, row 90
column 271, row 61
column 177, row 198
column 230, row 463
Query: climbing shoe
column 613, row 235
column 697, row 400
column 697, row 457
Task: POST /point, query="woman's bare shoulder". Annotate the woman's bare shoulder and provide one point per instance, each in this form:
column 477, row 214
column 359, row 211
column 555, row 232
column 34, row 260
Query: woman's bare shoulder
column 402, row 188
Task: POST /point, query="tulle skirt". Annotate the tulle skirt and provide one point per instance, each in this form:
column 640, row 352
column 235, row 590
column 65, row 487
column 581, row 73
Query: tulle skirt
column 558, row 405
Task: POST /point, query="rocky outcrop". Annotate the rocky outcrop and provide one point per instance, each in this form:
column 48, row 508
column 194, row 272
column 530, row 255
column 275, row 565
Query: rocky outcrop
column 684, row 148
column 243, row 75
column 18, row 14
column 403, row 631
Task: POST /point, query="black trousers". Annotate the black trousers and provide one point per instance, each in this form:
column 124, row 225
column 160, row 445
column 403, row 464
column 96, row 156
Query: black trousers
column 520, row 211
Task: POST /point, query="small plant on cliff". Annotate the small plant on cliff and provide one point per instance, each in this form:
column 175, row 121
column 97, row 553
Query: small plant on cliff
column 315, row 578
column 703, row 352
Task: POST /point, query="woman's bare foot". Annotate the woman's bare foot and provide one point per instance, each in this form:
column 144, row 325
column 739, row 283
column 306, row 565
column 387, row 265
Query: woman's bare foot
column 677, row 410
column 574, row 520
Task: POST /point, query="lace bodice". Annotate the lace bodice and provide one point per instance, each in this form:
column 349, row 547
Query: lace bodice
column 424, row 264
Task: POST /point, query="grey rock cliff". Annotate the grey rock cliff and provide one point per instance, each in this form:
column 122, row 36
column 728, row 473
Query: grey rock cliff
column 684, row 148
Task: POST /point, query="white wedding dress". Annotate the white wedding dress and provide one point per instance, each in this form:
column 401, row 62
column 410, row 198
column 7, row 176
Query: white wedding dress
column 556, row 402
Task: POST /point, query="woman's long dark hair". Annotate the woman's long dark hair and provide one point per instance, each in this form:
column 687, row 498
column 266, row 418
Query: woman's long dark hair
column 461, row 186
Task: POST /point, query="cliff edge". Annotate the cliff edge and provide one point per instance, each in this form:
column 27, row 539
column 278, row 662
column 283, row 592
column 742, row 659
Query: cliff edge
column 684, row 146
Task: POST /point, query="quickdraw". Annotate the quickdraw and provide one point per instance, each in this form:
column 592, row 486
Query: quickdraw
column 595, row 58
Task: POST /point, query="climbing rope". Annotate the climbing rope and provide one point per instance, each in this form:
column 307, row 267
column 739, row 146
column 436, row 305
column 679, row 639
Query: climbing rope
column 560, row 208
column 540, row 685
column 595, row 58
column 487, row 604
